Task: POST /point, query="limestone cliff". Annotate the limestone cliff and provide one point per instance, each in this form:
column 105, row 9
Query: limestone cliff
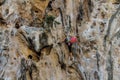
column 33, row 36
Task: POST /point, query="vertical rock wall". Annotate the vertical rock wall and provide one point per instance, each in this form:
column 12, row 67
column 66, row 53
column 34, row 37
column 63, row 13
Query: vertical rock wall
column 33, row 33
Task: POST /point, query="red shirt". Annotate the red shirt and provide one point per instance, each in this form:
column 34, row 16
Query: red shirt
column 73, row 39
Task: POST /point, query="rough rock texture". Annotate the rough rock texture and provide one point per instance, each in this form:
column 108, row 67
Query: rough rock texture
column 33, row 33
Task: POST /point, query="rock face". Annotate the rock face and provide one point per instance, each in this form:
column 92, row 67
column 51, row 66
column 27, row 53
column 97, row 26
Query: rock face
column 33, row 36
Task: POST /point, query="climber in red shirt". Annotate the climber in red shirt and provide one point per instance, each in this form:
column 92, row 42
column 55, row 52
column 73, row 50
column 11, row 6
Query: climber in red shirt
column 70, row 40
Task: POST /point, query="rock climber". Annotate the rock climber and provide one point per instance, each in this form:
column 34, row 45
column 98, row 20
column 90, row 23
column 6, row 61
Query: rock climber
column 70, row 41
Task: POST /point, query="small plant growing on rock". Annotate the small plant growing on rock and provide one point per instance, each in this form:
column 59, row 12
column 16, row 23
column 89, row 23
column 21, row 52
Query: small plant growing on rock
column 49, row 19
